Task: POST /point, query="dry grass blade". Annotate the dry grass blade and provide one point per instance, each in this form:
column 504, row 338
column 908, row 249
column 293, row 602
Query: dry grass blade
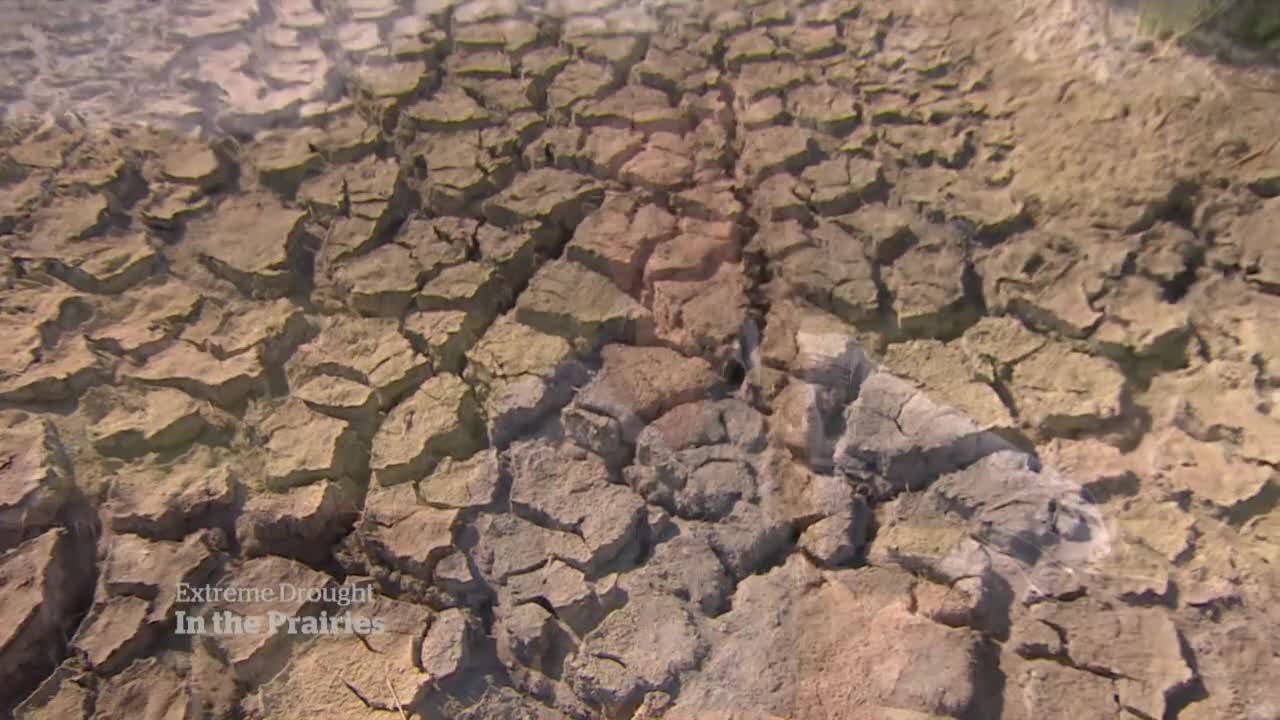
column 395, row 696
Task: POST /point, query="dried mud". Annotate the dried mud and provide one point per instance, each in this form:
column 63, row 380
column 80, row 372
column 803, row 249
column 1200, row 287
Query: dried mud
column 890, row 360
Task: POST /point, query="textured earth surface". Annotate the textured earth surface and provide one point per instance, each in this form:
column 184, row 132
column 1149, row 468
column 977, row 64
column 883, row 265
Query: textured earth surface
column 899, row 360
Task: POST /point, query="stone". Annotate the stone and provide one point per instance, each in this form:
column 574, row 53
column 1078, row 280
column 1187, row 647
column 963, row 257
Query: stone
column 152, row 569
column 617, row 239
column 472, row 287
column 564, row 493
column 145, row 689
column 255, row 655
column 274, row 328
column 106, row 265
column 836, row 540
column 895, row 433
column 447, row 644
column 696, row 252
column 1038, row 277
column 634, row 106
column 253, row 242
column 444, row 336
column 159, row 419
column 657, row 168
column 167, row 502
column 405, row 536
column 1058, row 390
column 45, row 586
column 450, row 109
column 523, row 373
column 636, row 385
column 773, row 150
column 835, row 277
column 928, row 289
column 643, row 646
column 841, row 185
column 789, row 664
column 577, row 83
column 360, row 662
column 508, row 546
column 440, row 419
column 1141, row 647
column 749, row 47
column 1140, row 323
column 943, row 371
column 381, row 283
column 301, row 523
column 556, row 197
column 686, row 567
column 824, row 108
column 993, row 345
column 370, row 352
column 304, row 445
column 568, row 300
column 36, row 484
column 1209, row 471
column 226, row 383
column 462, row 484
column 702, row 317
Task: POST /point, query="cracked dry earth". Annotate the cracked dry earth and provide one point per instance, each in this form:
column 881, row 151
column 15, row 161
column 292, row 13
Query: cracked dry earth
column 831, row 360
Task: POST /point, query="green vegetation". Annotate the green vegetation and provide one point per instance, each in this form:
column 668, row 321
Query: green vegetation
column 1252, row 22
